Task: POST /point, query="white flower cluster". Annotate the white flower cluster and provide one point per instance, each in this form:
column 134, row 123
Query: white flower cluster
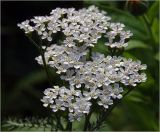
column 61, row 98
column 105, row 71
column 117, row 36
column 98, row 79
column 84, row 26
column 78, row 103
column 63, row 57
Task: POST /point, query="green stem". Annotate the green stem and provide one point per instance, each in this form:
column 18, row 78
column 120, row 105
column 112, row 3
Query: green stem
column 87, row 118
column 34, row 43
column 42, row 52
column 59, row 125
column 46, row 68
column 106, row 114
column 69, row 126
column 90, row 54
column 43, row 58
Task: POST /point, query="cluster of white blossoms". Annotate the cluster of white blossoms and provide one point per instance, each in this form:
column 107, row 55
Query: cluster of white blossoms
column 117, row 36
column 84, row 26
column 105, row 71
column 99, row 79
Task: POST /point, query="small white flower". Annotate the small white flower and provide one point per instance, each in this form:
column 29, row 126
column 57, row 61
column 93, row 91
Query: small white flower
column 57, row 106
column 26, row 27
column 75, row 116
column 93, row 94
column 117, row 91
column 105, row 101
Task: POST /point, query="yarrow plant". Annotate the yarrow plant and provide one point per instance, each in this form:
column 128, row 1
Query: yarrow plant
column 66, row 38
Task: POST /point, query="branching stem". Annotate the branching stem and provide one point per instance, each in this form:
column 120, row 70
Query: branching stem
column 39, row 47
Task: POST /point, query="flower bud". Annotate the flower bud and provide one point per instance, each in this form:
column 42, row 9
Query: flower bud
column 137, row 7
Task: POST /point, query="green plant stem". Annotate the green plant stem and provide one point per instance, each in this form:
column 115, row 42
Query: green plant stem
column 90, row 54
column 87, row 118
column 59, row 125
column 43, row 58
column 44, row 63
column 69, row 126
column 106, row 114
column 42, row 53
column 46, row 68
column 34, row 43
column 52, row 124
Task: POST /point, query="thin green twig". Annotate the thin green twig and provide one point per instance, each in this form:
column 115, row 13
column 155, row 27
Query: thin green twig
column 46, row 68
column 69, row 126
column 42, row 53
column 87, row 118
column 33, row 42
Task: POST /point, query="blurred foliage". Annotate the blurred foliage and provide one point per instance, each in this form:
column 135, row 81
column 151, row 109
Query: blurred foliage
column 139, row 111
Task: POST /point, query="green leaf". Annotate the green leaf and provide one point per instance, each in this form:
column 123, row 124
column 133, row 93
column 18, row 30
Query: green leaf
column 153, row 11
column 150, row 82
column 141, row 116
column 78, row 125
column 105, row 127
column 100, row 47
column 35, row 129
column 155, row 29
column 135, row 97
column 157, row 56
column 32, row 78
column 128, row 55
column 136, row 44
column 27, row 124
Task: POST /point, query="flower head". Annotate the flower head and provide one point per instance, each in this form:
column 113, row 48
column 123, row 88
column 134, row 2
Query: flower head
column 99, row 79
